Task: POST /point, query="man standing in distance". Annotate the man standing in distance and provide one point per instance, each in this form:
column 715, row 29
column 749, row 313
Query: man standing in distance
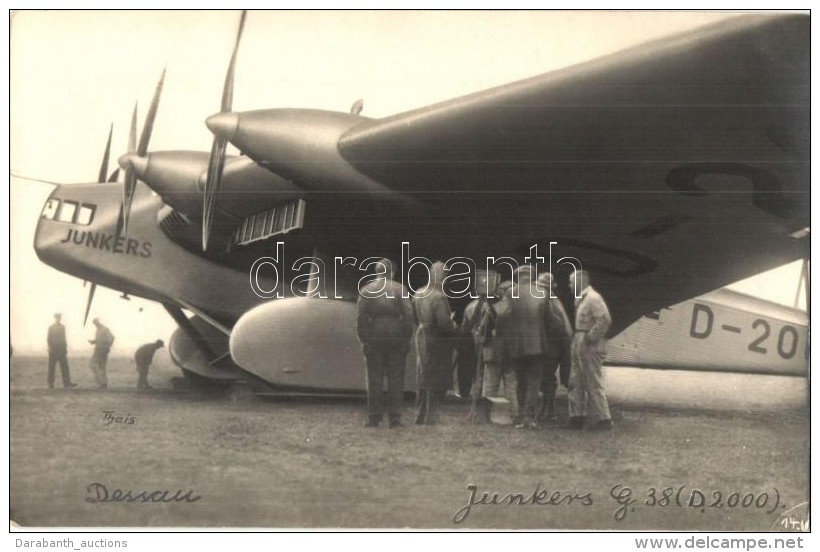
column 58, row 353
column 103, row 339
column 143, row 358
column 384, row 324
column 587, row 399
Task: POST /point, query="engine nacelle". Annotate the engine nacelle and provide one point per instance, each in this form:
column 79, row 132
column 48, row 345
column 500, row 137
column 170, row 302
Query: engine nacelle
column 305, row 343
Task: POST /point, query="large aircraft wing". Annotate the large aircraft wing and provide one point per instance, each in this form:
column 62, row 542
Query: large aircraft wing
column 669, row 169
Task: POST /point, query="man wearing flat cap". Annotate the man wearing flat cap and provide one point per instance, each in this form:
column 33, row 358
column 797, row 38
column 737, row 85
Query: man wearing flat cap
column 58, row 353
column 384, row 324
column 533, row 321
column 558, row 353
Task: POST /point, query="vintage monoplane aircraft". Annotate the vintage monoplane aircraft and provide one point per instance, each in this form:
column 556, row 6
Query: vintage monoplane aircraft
column 668, row 170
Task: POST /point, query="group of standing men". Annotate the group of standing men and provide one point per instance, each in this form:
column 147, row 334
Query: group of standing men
column 103, row 341
column 522, row 338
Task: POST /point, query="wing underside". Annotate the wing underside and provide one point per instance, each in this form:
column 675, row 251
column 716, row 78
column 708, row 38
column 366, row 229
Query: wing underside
column 669, row 169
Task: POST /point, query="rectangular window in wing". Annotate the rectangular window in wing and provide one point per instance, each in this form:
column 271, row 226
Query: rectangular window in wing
column 86, row 214
column 50, row 208
column 67, row 211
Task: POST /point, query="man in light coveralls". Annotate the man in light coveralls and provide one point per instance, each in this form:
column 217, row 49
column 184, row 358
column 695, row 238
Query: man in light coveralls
column 587, row 399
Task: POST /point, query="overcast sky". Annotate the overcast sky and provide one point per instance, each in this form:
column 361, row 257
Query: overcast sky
column 74, row 73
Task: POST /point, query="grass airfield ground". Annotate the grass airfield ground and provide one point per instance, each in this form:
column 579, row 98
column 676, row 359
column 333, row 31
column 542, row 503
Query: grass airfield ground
column 310, row 463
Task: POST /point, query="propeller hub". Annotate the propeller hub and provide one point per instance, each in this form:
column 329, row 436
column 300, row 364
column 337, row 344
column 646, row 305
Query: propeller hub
column 223, row 125
column 133, row 161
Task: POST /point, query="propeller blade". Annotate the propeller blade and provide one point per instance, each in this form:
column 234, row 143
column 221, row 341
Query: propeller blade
column 104, row 166
column 148, row 127
column 120, row 223
column 130, row 184
column 114, row 176
column 216, row 162
column 100, row 178
column 132, row 134
column 227, row 91
column 90, row 300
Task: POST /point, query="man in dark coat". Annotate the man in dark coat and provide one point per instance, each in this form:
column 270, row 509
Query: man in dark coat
column 531, row 322
column 58, row 353
column 559, row 339
column 435, row 338
column 384, row 324
column 143, row 358
column 497, row 367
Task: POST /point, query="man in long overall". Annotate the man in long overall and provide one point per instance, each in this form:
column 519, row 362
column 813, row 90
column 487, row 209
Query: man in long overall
column 587, row 399
column 435, row 340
